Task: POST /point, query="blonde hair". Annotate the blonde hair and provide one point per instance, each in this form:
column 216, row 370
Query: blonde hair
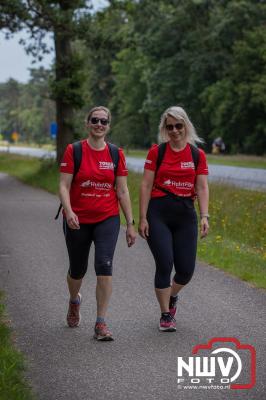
column 178, row 113
column 99, row 108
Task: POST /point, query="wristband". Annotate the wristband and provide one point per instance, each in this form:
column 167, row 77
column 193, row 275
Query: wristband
column 205, row 216
column 131, row 222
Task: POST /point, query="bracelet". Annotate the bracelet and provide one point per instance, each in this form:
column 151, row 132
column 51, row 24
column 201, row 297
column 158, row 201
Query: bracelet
column 131, row 222
column 205, row 216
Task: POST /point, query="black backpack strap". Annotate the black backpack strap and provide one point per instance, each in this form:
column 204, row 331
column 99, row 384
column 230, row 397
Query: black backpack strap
column 114, row 152
column 58, row 211
column 195, row 155
column 77, row 157
column 161, row 152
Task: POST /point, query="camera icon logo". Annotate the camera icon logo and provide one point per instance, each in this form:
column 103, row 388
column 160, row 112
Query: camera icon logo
column 222, row 363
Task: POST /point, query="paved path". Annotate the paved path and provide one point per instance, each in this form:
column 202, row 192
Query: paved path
column 67, row 364
column 250, row 178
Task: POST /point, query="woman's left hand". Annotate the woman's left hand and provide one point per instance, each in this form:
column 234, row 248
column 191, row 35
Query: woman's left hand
column 130, row 235
column 204, row 227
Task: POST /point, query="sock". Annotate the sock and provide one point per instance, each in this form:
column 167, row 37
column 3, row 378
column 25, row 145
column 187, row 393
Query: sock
column 99, row 320
column 165, row 314
column 174, row 297
column 77, row 301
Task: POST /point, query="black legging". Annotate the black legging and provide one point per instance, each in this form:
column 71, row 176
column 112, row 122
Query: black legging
column 173, row 231
column 104, row 234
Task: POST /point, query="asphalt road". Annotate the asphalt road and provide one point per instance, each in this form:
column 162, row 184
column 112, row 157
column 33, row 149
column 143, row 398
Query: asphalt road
column 67, row 364
column 249, row 178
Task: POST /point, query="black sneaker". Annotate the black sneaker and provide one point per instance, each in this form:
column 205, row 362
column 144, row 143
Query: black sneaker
column 167, row 323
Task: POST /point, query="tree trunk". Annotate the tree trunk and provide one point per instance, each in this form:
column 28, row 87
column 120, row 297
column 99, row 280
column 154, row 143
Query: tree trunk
column 64, row 108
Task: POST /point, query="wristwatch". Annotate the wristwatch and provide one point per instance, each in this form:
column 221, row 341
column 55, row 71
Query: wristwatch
column 205, row 216
column 131, row 222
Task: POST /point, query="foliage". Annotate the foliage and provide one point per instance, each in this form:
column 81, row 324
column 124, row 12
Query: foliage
column 62, row 18
column 27, row 108
column 207, row 56
column 139, row 57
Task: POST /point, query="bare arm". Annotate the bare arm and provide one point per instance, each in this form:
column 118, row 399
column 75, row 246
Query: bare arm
column 202, row 190
column 145, row 195
column 64, row 189
column 125, row 203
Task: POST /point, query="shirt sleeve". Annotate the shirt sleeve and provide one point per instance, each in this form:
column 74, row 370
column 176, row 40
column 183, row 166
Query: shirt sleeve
column 151, row 160
column 202, row 167
column 67, row 163
column 122, row 166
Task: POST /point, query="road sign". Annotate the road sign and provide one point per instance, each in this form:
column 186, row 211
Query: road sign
column 14, row 136
column 53, row 130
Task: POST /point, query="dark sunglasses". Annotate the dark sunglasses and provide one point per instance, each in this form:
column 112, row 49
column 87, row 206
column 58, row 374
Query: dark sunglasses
column 95, row 121
column 178, row 125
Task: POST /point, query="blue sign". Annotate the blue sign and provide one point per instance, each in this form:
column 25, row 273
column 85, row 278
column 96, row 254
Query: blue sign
column 53, row 130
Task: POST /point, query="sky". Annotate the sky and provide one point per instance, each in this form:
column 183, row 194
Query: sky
column 15, row 63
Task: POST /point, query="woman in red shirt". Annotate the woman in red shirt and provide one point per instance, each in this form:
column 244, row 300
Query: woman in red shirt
column 91, row 214
column 168, row 220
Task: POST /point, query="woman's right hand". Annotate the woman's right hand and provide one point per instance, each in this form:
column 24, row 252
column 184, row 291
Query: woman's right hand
column 143, row 228
column 72, row 220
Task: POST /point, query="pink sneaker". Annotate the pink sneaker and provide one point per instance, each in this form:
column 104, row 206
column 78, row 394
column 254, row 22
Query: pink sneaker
column 172, row 305
column 167, row 324
column 101, row 332
column 73, row 314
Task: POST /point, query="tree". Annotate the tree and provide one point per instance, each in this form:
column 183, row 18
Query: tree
column 236, row 104
column 27, row 108
column 9, row 106
column 65, row 19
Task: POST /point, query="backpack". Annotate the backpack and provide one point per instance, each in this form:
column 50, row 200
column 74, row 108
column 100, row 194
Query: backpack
column 77, row 157
column 161, row 152
column 162, row 149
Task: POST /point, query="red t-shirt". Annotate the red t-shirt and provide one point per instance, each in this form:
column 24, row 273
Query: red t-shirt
column 177, row 171
column 92, row 194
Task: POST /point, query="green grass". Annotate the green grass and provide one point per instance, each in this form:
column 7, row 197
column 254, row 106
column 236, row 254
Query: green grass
column 236, row 242
column 34, row 171
column 12, row 383
column 237, row 160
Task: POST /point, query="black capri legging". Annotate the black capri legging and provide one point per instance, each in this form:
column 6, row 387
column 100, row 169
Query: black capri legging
column 173, row 231
column 104, row 234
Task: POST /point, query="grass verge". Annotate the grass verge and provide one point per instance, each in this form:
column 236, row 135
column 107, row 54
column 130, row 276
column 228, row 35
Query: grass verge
column 236, row 242
column 238, row 160
column 12, row 382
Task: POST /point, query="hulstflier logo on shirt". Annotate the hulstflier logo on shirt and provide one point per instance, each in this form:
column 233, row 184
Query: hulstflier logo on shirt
column 97, row 185
column 179, row 185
